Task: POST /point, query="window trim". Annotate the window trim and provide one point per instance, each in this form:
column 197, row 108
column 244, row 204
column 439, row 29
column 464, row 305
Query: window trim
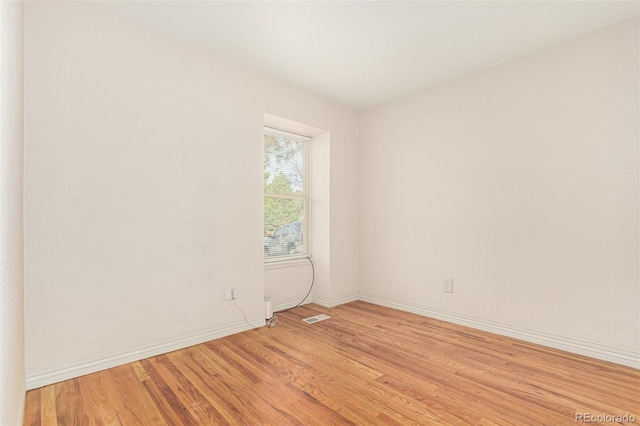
column 305, row 197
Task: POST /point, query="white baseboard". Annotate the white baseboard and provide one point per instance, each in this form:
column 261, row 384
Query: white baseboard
column 280, row 305
column 335, row 301
column 57, row 373
column 581, row 347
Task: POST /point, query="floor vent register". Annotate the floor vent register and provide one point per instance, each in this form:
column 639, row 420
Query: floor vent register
column 316, row 318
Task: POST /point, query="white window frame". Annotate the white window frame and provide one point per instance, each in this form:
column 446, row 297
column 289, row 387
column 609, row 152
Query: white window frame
column 304, row 197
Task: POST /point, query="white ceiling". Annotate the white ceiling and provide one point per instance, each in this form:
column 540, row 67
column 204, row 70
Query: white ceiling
column 364, row 53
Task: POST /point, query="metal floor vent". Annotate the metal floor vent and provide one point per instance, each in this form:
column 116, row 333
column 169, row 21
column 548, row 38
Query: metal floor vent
column 316, row 318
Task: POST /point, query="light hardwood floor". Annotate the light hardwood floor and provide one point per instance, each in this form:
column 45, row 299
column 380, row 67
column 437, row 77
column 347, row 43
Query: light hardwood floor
column 367, row 365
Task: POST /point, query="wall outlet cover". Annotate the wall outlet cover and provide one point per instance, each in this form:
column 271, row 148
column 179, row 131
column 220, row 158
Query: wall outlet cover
column 229, row 293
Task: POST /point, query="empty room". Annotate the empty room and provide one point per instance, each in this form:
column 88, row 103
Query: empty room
column 448, row 193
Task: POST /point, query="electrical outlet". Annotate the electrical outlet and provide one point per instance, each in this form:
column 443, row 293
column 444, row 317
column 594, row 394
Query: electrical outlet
column 448, row 285
column 230, row 293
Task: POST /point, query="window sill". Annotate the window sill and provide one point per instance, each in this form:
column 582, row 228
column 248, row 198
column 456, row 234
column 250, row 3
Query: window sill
column 286, row 263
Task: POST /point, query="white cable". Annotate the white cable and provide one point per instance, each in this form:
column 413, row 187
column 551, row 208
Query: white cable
column 244, row 314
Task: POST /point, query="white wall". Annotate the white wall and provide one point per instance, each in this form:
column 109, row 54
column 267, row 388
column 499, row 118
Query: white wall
column 319, row 188
column 143, row 190
column 521, row 183
column 12, row 386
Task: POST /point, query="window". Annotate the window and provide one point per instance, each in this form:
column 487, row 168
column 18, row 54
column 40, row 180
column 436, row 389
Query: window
column 286, row 195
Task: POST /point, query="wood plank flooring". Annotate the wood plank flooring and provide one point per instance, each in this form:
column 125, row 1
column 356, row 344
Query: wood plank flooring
column 367, row 365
